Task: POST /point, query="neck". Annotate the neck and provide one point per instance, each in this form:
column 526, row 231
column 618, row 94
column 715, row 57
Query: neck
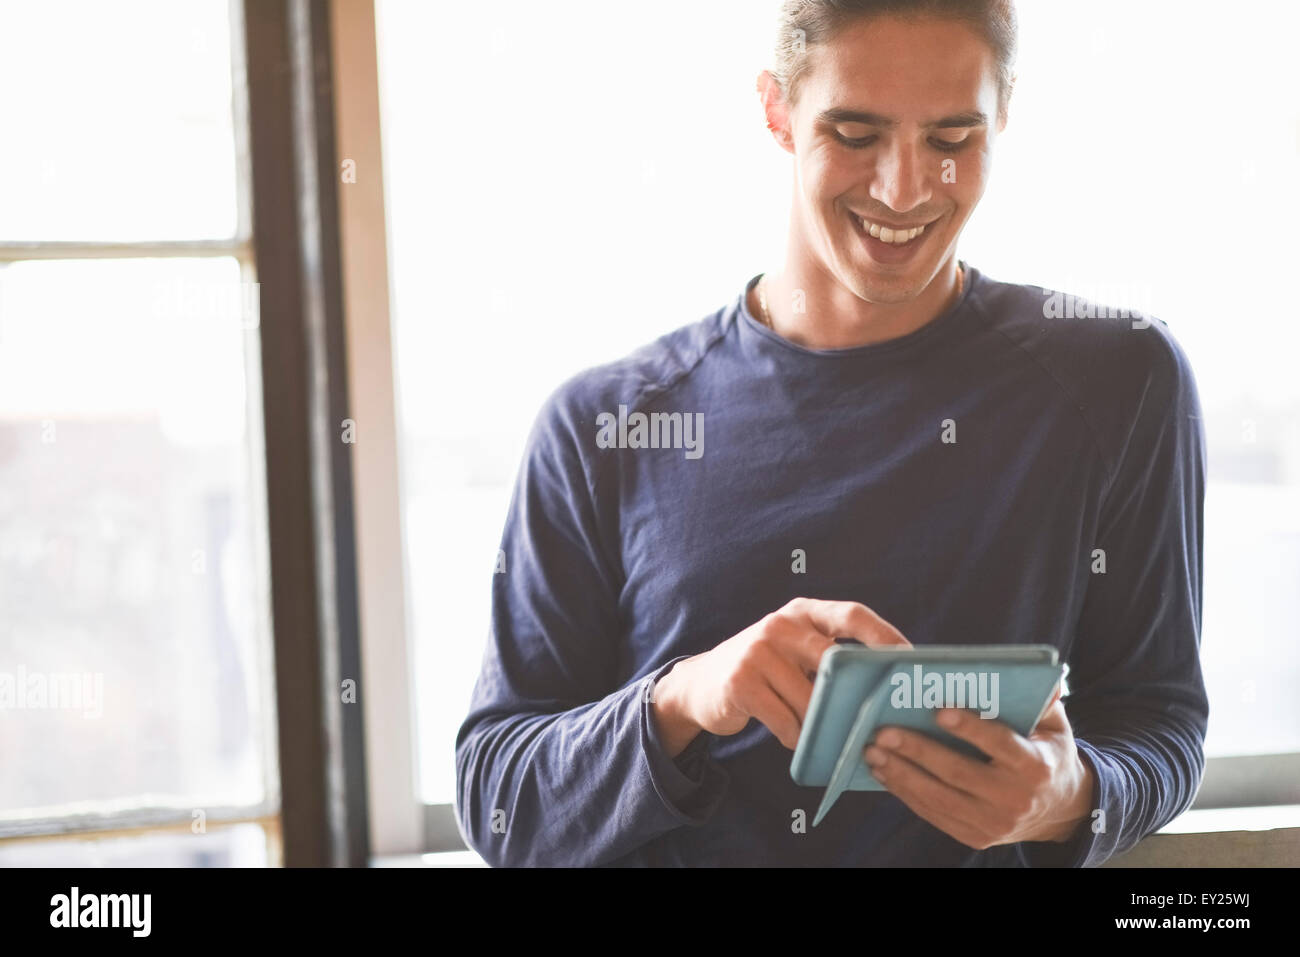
column 834, row 317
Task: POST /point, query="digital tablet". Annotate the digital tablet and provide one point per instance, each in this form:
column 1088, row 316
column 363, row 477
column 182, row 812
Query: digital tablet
column 860, row 689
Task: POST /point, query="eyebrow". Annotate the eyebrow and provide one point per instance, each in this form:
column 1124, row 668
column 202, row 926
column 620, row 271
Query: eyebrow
column 957, row 121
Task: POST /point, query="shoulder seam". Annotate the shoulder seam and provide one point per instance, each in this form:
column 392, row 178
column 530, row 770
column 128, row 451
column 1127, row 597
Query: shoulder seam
column 592, row 480
column 658, row 389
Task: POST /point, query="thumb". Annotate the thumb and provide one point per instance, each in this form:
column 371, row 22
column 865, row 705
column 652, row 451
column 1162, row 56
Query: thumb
column 1054, row 720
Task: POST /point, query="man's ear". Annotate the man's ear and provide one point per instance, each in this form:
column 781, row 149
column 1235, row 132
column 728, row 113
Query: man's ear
column 1003, row 113
column 776, row 110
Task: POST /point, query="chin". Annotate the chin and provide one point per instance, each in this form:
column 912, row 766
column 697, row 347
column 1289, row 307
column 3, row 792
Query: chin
column 888, row 290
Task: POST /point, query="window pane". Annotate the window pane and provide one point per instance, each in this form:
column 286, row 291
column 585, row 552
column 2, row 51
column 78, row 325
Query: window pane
column 117, row 120
column 134, row 639
column 1249, row 643
column 238, row 845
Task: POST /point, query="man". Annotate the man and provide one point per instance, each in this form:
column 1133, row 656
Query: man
column 899, row 449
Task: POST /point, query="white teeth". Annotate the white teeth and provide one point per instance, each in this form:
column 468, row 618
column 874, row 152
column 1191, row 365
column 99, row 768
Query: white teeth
column 887, row 235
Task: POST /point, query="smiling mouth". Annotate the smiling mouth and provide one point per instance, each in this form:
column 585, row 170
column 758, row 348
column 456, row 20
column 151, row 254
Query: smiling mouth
column 892, row 235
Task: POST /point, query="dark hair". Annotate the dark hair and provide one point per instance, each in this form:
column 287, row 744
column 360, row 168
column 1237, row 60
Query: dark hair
column 806, row 23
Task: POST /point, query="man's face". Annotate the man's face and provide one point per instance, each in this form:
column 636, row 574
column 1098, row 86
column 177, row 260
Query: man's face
column 894, row 123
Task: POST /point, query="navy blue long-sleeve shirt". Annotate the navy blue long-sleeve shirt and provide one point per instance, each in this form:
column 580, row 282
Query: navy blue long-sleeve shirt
column 1000, row 475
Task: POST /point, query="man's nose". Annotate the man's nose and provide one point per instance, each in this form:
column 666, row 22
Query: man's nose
column 901, row 182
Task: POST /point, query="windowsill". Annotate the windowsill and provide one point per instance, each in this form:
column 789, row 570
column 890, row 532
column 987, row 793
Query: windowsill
column 1212, row 821
column 440, row 859
column 1234, row 819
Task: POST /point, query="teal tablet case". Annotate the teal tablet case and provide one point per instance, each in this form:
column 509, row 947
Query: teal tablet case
column 860, row 689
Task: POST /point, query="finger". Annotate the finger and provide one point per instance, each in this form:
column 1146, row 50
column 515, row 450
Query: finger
column 951, row 811
column 1056, row 695
column 799, row 639
column 1053, row 721
column 791, row 683
column 776, row 715
column 808, row 652
column 959, row 771
column 994, row 738
column 851, row 619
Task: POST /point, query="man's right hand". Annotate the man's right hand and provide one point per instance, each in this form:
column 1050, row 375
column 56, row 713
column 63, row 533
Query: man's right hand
column 765, row 672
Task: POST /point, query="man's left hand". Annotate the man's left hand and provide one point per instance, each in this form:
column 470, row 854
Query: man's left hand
column 1035, row 789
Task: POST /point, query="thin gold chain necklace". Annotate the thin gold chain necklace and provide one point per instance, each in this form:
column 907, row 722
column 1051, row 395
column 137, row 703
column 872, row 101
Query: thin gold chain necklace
column 765, row 317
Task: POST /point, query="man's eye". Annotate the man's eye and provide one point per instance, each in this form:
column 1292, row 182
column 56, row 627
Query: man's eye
column 853, row 131
column 854, row 142
column 948, row 146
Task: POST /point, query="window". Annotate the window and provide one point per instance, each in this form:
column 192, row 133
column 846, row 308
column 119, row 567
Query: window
column 585, row 201
column 135, row 642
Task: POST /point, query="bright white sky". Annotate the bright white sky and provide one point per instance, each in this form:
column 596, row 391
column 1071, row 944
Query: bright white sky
column 120, row 129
